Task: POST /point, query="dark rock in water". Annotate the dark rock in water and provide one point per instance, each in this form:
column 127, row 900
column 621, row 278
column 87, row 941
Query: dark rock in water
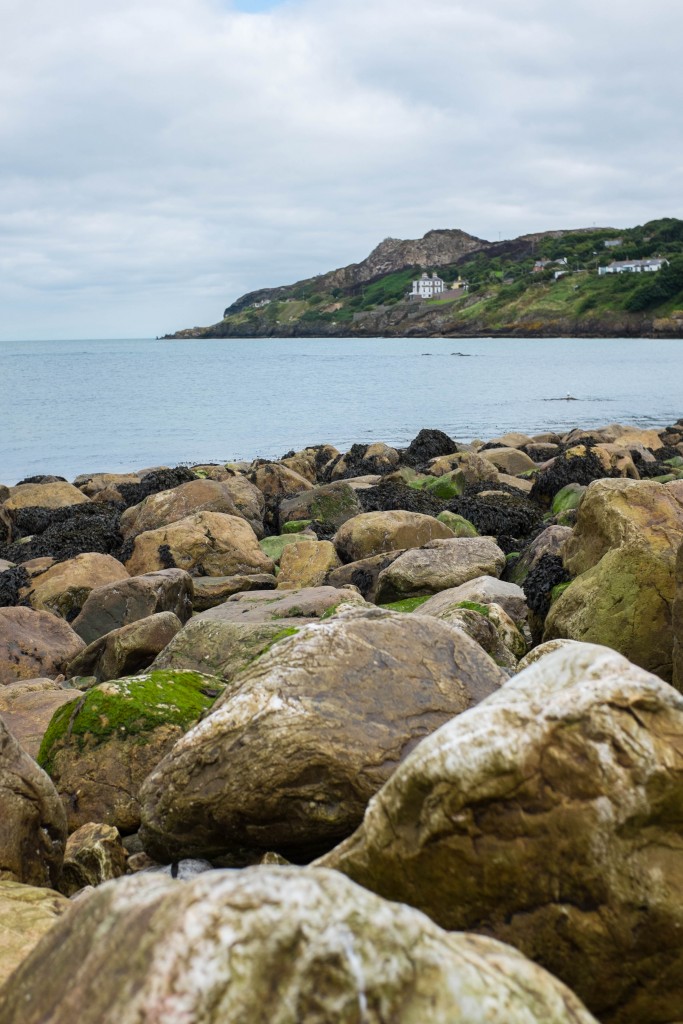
column 566, row 469
column 152, row 483
column 64, row 532
column 392, row 495
column 42, row 478
column 429, row 444
column 11, row 582
column 505, row 516
column 548, row 572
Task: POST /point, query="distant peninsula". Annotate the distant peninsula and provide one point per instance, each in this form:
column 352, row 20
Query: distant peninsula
column 585, row 282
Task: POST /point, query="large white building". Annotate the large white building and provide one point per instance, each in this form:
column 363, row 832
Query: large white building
column 633, row 266
column 427, row 287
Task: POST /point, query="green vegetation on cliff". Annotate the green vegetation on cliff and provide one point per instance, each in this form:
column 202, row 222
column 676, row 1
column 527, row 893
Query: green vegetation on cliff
column 512, row 289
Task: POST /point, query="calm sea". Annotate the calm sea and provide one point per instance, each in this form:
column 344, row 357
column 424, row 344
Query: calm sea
column 69, row 407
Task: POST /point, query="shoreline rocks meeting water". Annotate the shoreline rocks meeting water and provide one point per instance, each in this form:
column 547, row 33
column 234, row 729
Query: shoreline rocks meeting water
column 377, row 735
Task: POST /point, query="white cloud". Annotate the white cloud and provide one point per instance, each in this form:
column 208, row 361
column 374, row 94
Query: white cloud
column 157, row 159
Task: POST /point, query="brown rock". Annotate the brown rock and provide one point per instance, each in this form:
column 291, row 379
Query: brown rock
column 306, row 564
column 57, row 495
column 94, row 854
column 207, row 544
column 677, row 617
column 473, row 467
column 508, row 460
column 32, row 821
column 118, row 604
column 276, row 481
column 484, row 590
column 266, row 606
column 249, row 501
column 26, row 914
column 64, row 588
column 549, row 817
column 167, row 507
column 439, row 565
column 93, row 485
column 212, row 590
column 34, row 644
column 363, row 574
column 329, row 505
column 271, row 944
column 27, row 708
column 289, row 758
column 373, row 533
column 126, row 650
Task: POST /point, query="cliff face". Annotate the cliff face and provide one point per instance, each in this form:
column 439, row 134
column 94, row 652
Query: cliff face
column 436, row 249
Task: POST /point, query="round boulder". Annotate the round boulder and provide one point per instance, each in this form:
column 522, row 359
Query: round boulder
column 439, row 565
column 34, row 644
column 373, row 533
column 288, row 760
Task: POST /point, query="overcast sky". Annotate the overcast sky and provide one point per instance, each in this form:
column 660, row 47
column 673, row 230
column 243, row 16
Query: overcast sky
column 160, row 157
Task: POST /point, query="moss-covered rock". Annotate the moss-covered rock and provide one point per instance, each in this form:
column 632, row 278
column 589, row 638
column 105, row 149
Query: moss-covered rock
column 99, row 750
column 328, row 507
column 296, row 526
column 460, row 526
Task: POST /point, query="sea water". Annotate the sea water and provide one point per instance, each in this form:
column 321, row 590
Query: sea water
column 69, row 407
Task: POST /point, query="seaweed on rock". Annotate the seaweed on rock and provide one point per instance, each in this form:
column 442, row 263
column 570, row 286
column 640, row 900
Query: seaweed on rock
column 153, row 482
column 392, row 495
column 63, row 533
column 548, row 572
column 11, row 583
column 428, row 444
column 579, row 469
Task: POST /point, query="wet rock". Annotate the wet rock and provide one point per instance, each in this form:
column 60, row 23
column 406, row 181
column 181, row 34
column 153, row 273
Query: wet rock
column 32, row 821
column 99, row 750
column 63, row 533
column 27, row 709
column 577, row 465
column 622, row 554
column 205, row 544
column 550, row 810
column 338, row 953
column 373, row 533
column 117, row 604
column 289, row 758
column 306, row 564
column 126, row 650
column 427, row 445
column 27, row 912
column 34, row 644
column 327, row 507
column 166, row 507
column 94, row 854
column 439, row 565
column 363, row 459
column 64, row 588
column 210, row 591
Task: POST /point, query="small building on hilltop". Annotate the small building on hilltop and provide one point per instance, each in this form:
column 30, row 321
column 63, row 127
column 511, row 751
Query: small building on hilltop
column 634, row 266
column 427, row 287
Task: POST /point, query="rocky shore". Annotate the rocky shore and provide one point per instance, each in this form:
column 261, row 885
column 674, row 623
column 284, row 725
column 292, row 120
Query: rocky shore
column 369, row 736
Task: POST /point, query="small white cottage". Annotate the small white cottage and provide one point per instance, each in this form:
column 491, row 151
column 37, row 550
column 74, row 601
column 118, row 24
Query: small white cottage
column 427, row 287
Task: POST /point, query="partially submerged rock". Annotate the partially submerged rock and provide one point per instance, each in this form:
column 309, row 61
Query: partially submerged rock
column 210, row 951
column 289, row 758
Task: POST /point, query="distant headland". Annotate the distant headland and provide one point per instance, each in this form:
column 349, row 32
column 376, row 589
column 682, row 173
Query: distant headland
column 585, row 282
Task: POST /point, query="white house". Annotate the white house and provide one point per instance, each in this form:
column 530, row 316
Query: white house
column 427, row 287
column 633, row 266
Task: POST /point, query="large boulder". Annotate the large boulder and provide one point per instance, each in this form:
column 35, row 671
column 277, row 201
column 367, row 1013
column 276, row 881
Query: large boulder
column 439, row 565
column 307, row 564
column 34, row 644
column 64, row 588
column 305, row 603
column 126, row 650
column 484, row 590
column 328, row 506
column 474, row 468
column 678, row 624
column 223, row 649
column 275, row 481
column 27, row 708
column 290, row 757
column 32, row 820
column 210, row 591
column 118, row 604
column 549, row 817
column 509, row 460
column 273, row 944
column 54, row 495
column 167, row 507
column 205, row 544
column 363, row 460
column 622, row 552
column 373, row 533
column 99, row 751
column 249, row 501
column 27, row 912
